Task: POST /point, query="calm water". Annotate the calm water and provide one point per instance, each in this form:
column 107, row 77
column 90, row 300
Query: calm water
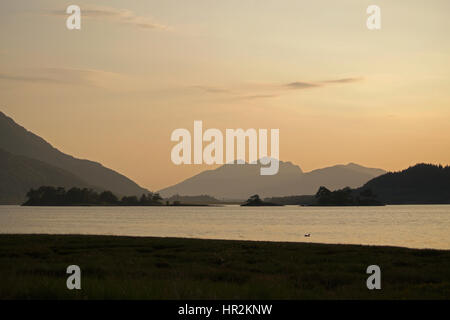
column 425, row 226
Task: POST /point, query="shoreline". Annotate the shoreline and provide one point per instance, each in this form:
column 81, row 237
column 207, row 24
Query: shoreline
column 118, row 237
column 122, row 267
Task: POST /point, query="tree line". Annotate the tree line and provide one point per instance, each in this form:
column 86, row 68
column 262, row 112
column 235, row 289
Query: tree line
column 346, row 197
column 58, row 196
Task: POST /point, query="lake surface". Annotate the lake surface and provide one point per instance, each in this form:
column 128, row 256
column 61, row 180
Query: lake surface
column 415, row 226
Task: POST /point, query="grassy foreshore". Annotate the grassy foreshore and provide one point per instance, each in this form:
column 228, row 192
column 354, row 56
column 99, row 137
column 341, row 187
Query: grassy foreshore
column 34, row 267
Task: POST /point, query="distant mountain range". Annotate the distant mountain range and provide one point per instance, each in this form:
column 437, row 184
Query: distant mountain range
column 419, row 184
column 27, row 160
column 238, row 182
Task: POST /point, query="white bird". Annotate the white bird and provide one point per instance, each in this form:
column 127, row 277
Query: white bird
column 308, row 235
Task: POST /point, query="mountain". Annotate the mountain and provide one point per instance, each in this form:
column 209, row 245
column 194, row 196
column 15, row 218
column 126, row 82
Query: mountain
column 18, row 141
column 232, row 181
column 340, row 176
column 18, row 174
column 420, row 184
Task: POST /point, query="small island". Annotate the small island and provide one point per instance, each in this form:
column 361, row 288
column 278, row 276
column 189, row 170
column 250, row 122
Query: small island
column 363, row 196
column 255, row 201
column 58, row 196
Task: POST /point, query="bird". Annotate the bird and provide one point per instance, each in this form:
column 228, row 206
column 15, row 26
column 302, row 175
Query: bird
column 308, row 235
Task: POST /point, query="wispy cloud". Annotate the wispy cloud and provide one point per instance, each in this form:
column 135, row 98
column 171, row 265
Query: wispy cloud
column 269, row 90
column 300, row 85
column 308, row 85
column 65, row 76
column 115, row 15
column 344, row 80
column 24, row 78
column 256, row 96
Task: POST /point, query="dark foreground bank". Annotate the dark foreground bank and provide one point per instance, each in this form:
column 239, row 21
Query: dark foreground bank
column 34, row 267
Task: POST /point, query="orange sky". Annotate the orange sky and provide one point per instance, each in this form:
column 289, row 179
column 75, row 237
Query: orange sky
column 137, row 70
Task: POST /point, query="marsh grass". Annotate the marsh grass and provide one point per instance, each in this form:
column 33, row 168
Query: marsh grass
column 33, row 267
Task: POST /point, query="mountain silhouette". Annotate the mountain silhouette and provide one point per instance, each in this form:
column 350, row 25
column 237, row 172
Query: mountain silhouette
column 16, row 140
column 18, row 174
column 420, row 184
column 234, row 182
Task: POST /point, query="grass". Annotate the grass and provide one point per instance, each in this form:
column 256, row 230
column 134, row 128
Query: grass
column 34, row 267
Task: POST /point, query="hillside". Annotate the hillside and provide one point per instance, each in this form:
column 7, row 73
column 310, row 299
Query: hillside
column 420, row 184
column 18, row 141
column 233, row 181
column 18, row 174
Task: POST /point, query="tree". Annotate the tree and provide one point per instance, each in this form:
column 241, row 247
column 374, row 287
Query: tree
column 323, row 192
column 107, row 197
column 156, row 198
column 143, row 200
column 52, row 196
column 255, row 199
column 130, row 201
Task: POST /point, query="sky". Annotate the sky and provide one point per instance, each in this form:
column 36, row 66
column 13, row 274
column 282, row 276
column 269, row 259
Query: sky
column 114, row 91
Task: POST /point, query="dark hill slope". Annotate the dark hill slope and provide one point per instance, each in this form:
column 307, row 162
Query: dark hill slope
column 420, row 184
column 18, row 174
column 18, row 141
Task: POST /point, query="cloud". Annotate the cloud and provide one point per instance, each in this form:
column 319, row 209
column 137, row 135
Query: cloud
column 11, row 77
column 66, row 76
column 308, row 85
column 269, row 90
column 344, row 80
column 301, row 85
column 122, row 16
column 257, row 96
